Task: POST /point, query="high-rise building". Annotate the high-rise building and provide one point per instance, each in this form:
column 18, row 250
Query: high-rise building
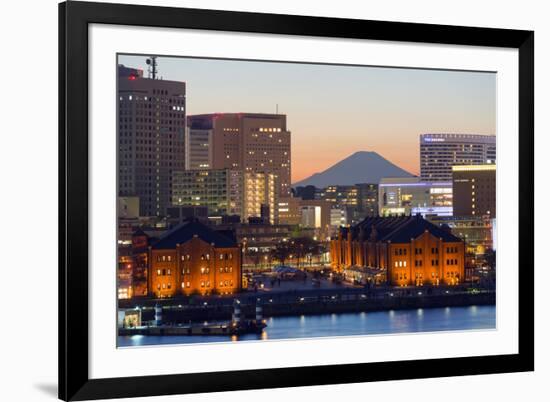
column 198, row 144
column 151, row 115
column 220, row 190
column 474, row 190
column 250, row 142
column 227, row 192
column 440, row 152
column 260, row 197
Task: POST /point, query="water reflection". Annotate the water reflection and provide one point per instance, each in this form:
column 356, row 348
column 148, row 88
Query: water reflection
column 383, row 322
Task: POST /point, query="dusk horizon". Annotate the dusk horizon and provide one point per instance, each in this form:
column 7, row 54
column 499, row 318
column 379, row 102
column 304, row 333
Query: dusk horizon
column 373, row 109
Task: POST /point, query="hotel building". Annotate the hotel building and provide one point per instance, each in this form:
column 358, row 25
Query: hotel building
column 151, row 127
column 190, row 259
column 402, row 251
column 440, row 152
column 250, row 142
column 410, row 196
column 474, row 190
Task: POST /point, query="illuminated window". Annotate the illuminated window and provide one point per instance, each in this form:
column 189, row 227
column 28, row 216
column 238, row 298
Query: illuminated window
column 188, row 284
column 183, row 285
column 169, row 272
column 158, row 272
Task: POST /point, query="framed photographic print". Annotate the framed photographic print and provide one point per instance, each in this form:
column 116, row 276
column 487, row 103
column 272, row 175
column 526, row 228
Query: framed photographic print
column 258, row 200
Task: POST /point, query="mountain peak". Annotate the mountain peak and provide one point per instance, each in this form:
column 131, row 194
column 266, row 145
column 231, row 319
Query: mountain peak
column 359, row 167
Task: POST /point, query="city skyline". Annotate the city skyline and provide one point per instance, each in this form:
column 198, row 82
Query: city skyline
column 359, row 110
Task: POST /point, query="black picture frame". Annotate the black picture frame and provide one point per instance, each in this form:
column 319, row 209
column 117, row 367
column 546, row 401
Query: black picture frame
column 74, row 380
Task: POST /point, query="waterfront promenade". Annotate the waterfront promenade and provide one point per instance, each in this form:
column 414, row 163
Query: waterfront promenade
column 309, row 301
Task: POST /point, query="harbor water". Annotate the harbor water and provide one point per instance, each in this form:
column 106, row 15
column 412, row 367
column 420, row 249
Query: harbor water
column 330, row 325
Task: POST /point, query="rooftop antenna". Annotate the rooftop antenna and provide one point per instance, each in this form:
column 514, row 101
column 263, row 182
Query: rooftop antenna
column 276, row 108
column 152, row 67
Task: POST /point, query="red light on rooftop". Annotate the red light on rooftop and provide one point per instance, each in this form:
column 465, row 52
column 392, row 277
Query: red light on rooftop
column 132, row 77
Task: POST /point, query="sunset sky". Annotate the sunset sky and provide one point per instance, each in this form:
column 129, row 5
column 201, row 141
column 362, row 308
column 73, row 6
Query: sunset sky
column 334, row 111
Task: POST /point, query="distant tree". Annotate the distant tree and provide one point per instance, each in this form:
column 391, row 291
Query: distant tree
column 281, row 252
column 296, row 231
column 305, row 246
column 306, row 193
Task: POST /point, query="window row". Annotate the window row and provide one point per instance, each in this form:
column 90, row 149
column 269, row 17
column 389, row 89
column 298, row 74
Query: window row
column 452, row 261
column 226, row 256
column 452, row 249
column 400, row 251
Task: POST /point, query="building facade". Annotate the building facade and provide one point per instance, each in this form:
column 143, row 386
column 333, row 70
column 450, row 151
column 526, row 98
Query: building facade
column 251, row 142
column 260, row 196
column 403, row 251
column 193, row 259
column 440, row 152
column 410, row 195
column 359, row 200
column 220, row 190
column 474, row 190
column 198, row 146
column 289, row 211
column 227, row 192
column 476, row 231
column 151, row 127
